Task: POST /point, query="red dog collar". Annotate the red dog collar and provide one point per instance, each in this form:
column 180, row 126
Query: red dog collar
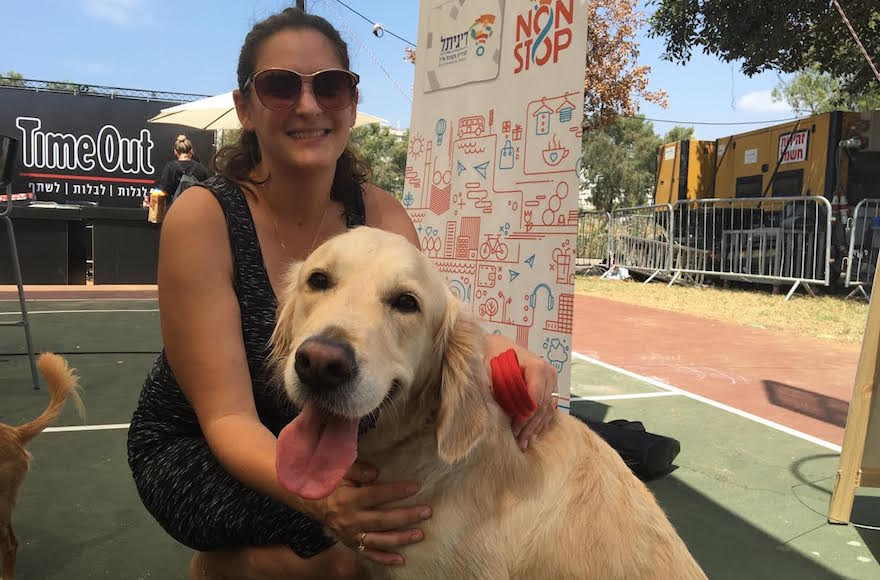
column 509, row 386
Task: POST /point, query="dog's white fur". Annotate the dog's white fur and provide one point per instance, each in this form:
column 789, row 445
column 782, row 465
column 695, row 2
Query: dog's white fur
column 567, row 508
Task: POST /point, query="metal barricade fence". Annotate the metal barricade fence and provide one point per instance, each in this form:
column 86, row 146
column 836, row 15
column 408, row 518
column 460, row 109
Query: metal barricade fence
column 640, row 238
column 593, row 238
column 864, row 246
column 771, row 240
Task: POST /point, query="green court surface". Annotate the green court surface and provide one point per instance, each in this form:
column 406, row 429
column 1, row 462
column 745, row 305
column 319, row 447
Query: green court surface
column 749, row 500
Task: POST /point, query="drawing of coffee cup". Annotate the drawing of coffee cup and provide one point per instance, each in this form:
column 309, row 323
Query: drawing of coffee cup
column 555, row 156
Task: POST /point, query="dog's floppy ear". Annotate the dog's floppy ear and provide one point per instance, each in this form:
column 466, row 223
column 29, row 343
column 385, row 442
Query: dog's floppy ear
column 464, row 393
column 281, row 335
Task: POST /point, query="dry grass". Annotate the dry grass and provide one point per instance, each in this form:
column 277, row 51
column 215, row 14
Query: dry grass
column 824, row 317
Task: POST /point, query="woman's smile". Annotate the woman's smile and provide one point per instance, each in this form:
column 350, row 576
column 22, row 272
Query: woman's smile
column 309, row 135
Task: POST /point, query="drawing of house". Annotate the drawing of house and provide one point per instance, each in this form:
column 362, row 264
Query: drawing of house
column 542, row 118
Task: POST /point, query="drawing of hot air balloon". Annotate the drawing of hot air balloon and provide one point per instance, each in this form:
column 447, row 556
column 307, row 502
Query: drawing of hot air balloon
column 440, row 129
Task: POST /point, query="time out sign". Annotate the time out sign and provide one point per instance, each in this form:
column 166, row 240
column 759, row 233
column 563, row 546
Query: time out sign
column 793, row 147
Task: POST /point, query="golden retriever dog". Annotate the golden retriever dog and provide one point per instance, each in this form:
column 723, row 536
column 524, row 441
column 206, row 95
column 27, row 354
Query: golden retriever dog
column 368, row 328
column 15, row 458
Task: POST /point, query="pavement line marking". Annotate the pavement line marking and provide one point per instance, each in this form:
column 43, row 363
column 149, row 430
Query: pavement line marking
column 108, row 427
column 623, row 397
column 30, row 312
column 85, row 299
column 716, row 404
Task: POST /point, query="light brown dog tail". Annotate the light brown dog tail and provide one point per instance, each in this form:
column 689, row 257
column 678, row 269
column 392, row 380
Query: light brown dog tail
column 63, row 384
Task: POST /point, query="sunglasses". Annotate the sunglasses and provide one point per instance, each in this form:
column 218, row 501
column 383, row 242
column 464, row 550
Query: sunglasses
column 280, row 89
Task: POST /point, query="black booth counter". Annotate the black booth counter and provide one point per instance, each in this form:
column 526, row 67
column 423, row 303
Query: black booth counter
column 55, row 243
column 52, row 246
column 125, row 246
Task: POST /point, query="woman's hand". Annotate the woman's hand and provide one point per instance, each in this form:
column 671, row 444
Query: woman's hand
column 541, row 381
column 354, row 514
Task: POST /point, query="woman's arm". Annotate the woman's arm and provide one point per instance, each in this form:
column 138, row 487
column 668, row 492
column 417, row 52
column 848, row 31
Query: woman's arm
column 201, row 330
column 541, row 381
column 385, row 212
column 201, row 327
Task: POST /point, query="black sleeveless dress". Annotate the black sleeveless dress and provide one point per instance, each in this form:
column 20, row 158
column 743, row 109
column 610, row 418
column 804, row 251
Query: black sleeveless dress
column 179, row 480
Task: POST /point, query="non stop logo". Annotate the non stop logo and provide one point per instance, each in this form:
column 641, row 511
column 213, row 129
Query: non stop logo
column 542, row 33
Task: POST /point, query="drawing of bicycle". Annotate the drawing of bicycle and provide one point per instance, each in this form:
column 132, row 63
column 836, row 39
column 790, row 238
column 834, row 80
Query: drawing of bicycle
column 493, row 246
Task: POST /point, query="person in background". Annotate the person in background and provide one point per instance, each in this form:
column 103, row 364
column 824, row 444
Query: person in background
column 174, row 170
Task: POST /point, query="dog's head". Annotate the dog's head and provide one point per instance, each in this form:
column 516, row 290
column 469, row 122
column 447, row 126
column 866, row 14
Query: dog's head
column 366, row 322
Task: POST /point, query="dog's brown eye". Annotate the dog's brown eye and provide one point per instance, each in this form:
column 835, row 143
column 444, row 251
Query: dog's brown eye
column 405, row 303
column 319, row 281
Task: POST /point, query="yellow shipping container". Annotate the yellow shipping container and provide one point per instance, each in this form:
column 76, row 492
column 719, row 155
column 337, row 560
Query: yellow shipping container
column 792, row 159
column 685, row 170
column 824, row 155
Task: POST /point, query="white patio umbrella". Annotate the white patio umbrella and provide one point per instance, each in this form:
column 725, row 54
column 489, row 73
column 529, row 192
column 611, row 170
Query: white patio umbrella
column 218, row 112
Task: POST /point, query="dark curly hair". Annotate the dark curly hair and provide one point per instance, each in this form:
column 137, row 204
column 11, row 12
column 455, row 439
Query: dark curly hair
column 236, row 162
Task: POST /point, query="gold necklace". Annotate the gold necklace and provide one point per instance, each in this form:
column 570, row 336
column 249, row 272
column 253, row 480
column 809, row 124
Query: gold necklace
column 278, row 233
column 314, row 240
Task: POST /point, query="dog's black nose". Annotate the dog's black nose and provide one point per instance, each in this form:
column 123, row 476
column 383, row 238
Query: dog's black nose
column 324, row 363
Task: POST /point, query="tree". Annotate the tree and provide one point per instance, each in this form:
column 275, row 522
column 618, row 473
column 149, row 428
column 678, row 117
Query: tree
column 613, row 81
column 678, row 133
column 385, row 155
column 619, row 163
column 782, row 35
column 12, row 79
column 227, row 138
column 818, row 92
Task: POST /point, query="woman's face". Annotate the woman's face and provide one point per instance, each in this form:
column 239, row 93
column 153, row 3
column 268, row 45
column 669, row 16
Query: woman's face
column 305, row 136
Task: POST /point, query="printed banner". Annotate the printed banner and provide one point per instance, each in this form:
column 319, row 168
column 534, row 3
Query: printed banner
column 90, row 147
column 491, row 181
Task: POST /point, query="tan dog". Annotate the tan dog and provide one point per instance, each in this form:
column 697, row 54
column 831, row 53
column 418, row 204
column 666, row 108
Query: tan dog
column 14, row 458
column 367, row 325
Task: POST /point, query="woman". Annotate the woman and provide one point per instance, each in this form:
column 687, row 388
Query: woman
column 185, row 163
column 202, row 440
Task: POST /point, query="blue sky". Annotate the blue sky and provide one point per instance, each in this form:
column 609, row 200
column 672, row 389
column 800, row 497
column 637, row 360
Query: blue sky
column 193, row 47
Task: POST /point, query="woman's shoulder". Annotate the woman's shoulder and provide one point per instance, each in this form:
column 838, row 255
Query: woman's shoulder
column 378, row 200
column 195, row 211
column 194, row 245
column 384, row 211
column 217, row 192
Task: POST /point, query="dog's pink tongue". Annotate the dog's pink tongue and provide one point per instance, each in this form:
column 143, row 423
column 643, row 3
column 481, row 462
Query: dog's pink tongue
column 314, row 452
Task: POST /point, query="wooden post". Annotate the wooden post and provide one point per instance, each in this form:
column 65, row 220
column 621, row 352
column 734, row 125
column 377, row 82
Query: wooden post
column 859, row 465
column 301, row 4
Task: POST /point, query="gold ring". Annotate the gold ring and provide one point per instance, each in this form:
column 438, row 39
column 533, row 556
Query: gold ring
column 361, row 546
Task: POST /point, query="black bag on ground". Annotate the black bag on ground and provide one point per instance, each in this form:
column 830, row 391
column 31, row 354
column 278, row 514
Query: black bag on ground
column 646, row 454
